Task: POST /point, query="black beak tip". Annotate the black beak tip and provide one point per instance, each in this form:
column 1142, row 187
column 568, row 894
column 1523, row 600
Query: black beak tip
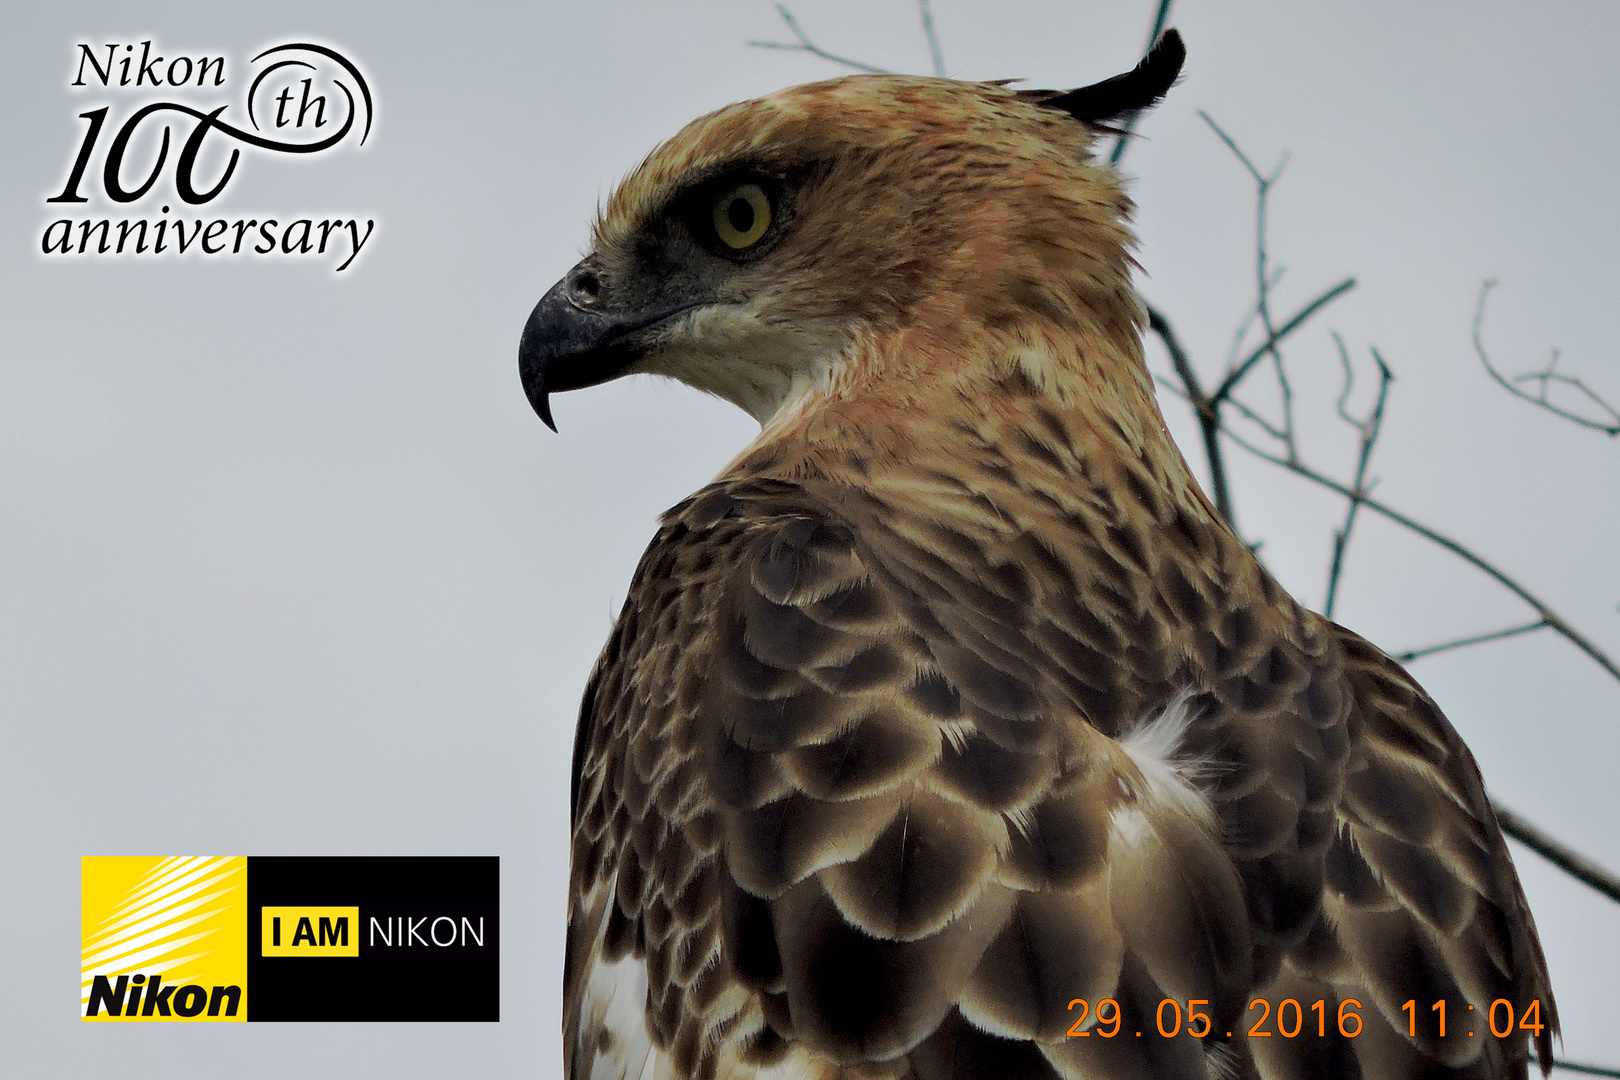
column 532, row 367
column 568, row 347
column 534, row 388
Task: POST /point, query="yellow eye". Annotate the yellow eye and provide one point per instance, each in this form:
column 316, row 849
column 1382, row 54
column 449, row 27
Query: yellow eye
column 741, row 216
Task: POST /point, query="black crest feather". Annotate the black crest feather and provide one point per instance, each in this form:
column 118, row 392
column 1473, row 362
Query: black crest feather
column 1143, row 87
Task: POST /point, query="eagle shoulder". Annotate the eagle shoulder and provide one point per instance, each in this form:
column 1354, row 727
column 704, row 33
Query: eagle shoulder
column 843, row 813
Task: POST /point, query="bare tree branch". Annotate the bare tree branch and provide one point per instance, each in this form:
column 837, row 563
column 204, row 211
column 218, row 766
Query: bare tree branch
column 1589, row 1070
column 1566, row 859
column 1260, row 179
column 1553, row 620
column 1475, row 639
column 1545, row 378
column 1236, row 375
column 1254, row 417
column 804, row 44
column 1369, row 429
column 1264, row 279
column 1207, row 406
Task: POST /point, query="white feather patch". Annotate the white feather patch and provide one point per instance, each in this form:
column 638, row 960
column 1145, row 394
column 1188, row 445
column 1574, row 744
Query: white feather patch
column 613, row 1034
column 615, row 1007
column 754, row 362
column 1130, row 825
column 1173, row 776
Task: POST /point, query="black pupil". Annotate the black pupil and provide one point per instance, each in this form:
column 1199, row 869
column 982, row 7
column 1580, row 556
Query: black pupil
column 740, row 213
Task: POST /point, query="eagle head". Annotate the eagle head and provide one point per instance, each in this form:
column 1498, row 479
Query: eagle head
column 762, row 245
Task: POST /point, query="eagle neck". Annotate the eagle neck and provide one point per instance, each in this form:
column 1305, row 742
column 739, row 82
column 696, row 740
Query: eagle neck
column 1033, row 404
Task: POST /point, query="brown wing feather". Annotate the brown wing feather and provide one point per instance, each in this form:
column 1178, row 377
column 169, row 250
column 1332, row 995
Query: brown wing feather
column 851, row 783
column 1421, row 891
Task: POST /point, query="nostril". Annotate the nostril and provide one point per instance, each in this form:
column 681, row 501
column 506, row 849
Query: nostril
column 585, row 287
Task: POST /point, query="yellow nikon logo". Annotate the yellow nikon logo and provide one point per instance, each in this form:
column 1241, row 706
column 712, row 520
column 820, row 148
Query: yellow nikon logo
column 309, row 931
column 163, row 938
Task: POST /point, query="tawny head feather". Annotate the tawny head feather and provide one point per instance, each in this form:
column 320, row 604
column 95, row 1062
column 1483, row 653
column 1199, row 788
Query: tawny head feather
column 877, row 205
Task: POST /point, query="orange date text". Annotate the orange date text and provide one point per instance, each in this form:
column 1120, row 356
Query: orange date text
column 1291, row 1019
column 1288, row 1019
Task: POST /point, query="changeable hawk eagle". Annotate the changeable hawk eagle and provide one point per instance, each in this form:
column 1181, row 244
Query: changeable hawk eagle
column 951, row 733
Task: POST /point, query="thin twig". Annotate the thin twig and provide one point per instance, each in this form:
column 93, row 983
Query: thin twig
column 1237, row 374
column 1577, row 866
column 1477, row 639
column 1123, row 140
column 1554, row 621
column 1263, row 301
column 1589, row 1070
column 1237, row 403
column 1207, row 406
column 1253, row 417
column 804, row 44
column 1265, row 280
column 1369, row 429
column 1204, row 408
column 1544, row 377
column 933, row 38
column 1566, row 859
column 1341, row 404
column 1250, row 314
column 1231, row 144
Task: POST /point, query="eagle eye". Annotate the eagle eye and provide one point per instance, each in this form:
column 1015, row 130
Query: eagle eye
column 742, row 214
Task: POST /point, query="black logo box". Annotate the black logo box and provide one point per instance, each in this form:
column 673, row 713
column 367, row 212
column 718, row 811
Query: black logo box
column 413, row 982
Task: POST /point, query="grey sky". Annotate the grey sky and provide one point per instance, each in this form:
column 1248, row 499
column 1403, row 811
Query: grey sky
column 290, row 567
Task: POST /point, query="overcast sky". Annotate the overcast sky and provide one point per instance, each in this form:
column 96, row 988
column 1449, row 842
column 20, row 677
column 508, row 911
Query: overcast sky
column 290, row 567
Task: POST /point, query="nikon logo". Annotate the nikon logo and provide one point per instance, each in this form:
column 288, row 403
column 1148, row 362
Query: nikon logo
column 163, row 938
column 198, row 940
column 309, row 931
column 159, row 999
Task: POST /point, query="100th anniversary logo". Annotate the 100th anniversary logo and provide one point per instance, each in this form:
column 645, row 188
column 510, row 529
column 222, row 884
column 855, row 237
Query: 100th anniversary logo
column 164, row 143
column 226, row 938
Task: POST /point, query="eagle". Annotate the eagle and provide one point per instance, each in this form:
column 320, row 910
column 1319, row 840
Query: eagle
column 951, row 733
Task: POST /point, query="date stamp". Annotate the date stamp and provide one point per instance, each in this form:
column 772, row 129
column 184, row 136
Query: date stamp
column 1289, row 1019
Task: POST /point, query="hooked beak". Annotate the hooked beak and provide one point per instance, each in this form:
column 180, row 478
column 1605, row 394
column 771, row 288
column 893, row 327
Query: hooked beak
column 573, row 340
